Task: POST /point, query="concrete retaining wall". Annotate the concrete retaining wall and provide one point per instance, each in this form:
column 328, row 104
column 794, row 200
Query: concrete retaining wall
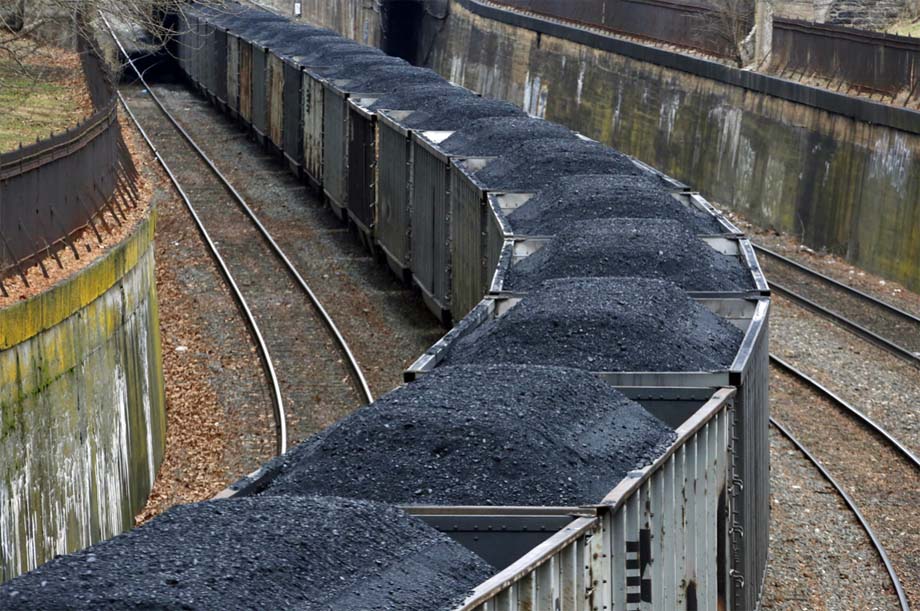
column 81, row 406
column 838, row 183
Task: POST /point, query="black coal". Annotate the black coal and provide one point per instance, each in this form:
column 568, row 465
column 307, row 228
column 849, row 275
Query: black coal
column 584, row 197
column 644, row 248
column 454, row 114
column 264, row 552
column 604, row 324
column 538, row 163
column 481, row 435
column 498, row 135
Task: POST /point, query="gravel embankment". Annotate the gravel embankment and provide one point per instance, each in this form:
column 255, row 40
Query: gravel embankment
column 316, row 553
column 820, row 558
column 880, row 385
column 885, row 486
column 604, row 324
column 218, row 407
column 598, row 196
column 481, row 435
column 643, row 248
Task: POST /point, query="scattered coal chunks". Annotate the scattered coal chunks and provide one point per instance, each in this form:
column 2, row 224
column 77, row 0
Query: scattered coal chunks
column 604, row 324
column 481, row 435
column 584, row 197
column 497, row 135
column 454, row 114
column 644, row 248
column 323, row 554
column 536, row 163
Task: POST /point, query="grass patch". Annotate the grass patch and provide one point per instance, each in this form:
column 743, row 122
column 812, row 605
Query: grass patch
column 906, row 28
column 46, row 93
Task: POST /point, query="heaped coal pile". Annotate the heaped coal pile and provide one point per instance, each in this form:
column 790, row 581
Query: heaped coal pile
column 537, row 163
column 290, row 40
column 266, row 552
column 238, row 16
column 234, row 15
column 585, row 197
column 481, row 435
column 328, row 54
column 419, row 97
column 497, row 135
column 454, row 114
column 644, row 248
column 604, row 324
column 389, row 78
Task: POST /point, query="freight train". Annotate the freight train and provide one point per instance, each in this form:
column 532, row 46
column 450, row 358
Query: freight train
column 594, row 424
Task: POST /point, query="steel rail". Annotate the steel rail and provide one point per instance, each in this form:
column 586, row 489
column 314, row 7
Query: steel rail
column 843, row 405
column 892, row 309
column 327, row 319
column 265, row 357
column 855, row 328
column 851, row 504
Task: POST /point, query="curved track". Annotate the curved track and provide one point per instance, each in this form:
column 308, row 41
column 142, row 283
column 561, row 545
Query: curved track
column 264, row 356
column 872, row 319
column 879, row 323
column 851, row 504
column 259, row 273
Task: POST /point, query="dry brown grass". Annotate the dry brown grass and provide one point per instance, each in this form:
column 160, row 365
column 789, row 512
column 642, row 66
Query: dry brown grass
column 45, row 93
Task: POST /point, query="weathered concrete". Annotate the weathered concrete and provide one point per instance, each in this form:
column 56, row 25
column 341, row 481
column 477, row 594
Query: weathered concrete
column 844, row 185
column 82, row 407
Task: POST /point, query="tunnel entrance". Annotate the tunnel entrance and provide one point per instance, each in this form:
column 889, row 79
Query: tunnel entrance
column 402, row 27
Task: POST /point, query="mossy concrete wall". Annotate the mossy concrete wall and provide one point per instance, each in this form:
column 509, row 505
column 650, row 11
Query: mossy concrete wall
column 847, row 186
column 81, row 406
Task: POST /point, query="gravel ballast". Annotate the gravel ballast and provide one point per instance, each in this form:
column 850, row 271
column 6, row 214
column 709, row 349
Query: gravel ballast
column 604, row 324
column 535, row 164
column 596, row 196
column 264, row 552
column 644, row 248
column 497, row 135
column 481, row 435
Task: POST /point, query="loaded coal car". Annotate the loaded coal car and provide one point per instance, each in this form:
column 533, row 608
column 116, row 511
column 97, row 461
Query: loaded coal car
column 523, row 164
column 322, row 553
column 340, row 145
column 460, row 202
column 497, row 438
column 379, row 221
column 655, row 343
column 646, row 248
column 428, row 202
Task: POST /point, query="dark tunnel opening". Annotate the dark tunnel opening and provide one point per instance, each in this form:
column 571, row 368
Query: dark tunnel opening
column 402, row 27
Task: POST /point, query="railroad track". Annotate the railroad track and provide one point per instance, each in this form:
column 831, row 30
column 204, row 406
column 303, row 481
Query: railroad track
column 872, row 319
column 817, row 421
column 287, row 319
column 822, row 412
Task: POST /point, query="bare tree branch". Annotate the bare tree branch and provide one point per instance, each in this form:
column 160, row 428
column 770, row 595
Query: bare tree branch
column 54, row 23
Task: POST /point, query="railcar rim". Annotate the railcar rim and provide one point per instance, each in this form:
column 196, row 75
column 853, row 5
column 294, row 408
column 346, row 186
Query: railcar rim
column 356, row 370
